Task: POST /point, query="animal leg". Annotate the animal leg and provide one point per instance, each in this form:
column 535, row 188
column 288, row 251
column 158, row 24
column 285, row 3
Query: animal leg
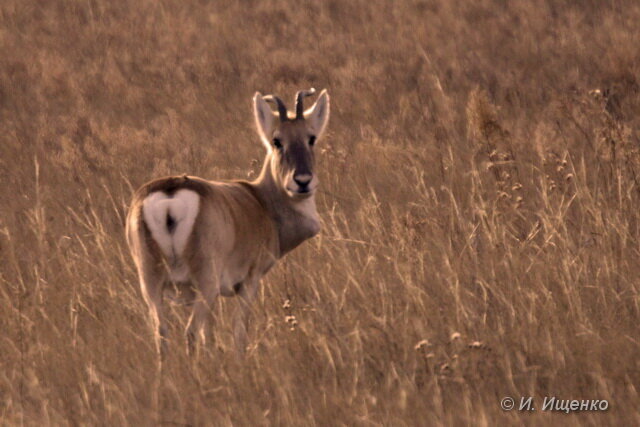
column 199, row 326
column 246, row 294
column 151, row 285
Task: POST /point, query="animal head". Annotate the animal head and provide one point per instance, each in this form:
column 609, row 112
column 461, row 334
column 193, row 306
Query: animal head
column 290, row 139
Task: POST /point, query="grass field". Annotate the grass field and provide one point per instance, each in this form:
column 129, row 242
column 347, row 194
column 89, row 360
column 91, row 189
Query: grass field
column 480, row 201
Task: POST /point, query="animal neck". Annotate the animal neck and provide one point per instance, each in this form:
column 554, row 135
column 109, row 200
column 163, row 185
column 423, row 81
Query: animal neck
column 296, row 220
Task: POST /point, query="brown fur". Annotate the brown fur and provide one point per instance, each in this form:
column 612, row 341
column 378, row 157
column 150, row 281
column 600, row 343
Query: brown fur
column 236, row 239
column 240, row 230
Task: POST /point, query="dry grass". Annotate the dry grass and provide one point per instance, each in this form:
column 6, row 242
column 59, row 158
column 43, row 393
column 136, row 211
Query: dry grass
column 479, row 191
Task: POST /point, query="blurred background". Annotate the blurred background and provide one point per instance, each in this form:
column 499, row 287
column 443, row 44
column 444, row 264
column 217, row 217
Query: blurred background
column 479, row 199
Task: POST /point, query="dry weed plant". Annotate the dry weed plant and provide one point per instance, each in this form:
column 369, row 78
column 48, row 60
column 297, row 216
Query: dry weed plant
column 479, row 197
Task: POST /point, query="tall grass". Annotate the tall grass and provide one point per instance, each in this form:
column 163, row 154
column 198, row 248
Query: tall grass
column 479, row 198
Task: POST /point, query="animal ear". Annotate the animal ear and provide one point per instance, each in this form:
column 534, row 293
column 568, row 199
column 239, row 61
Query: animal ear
column 318, row 115
column 265, row 118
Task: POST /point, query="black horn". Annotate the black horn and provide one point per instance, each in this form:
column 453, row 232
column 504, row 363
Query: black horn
column 282, row 109
column 299, row 104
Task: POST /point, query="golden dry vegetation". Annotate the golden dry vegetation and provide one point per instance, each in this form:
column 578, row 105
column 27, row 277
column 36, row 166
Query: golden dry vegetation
column 480, row 205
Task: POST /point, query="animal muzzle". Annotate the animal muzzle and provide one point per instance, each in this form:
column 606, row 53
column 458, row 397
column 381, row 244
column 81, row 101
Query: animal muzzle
column 301, row 184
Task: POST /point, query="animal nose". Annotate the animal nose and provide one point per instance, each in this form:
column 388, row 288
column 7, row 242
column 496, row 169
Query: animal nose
column 302, row 180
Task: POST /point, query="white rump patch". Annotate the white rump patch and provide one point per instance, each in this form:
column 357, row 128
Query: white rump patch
column 180, row 211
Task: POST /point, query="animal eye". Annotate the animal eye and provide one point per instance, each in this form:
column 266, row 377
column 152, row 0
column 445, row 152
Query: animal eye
column 312, row 140
column 277, row 143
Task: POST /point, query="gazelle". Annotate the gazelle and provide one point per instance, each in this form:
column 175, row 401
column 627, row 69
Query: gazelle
column 198, row 239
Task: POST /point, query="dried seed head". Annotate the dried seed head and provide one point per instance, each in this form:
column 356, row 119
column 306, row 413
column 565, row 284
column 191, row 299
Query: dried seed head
column 421, row 344
column 292, row 321
column 519, row 202
column 596, row 93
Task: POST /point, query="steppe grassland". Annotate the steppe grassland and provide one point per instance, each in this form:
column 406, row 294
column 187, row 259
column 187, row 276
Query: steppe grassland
column 479, row 203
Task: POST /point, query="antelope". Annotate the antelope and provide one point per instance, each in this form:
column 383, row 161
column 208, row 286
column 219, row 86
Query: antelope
column 194, row 239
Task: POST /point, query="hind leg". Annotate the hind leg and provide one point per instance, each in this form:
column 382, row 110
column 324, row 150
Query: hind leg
column 152, row 277
column 207, row 286
column 151, row 285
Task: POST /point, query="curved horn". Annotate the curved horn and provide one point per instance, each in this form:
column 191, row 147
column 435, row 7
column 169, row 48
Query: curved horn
column 282, row 109
column 299, row 105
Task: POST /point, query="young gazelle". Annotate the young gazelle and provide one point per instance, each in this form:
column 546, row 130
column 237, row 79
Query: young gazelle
column 197, row 239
